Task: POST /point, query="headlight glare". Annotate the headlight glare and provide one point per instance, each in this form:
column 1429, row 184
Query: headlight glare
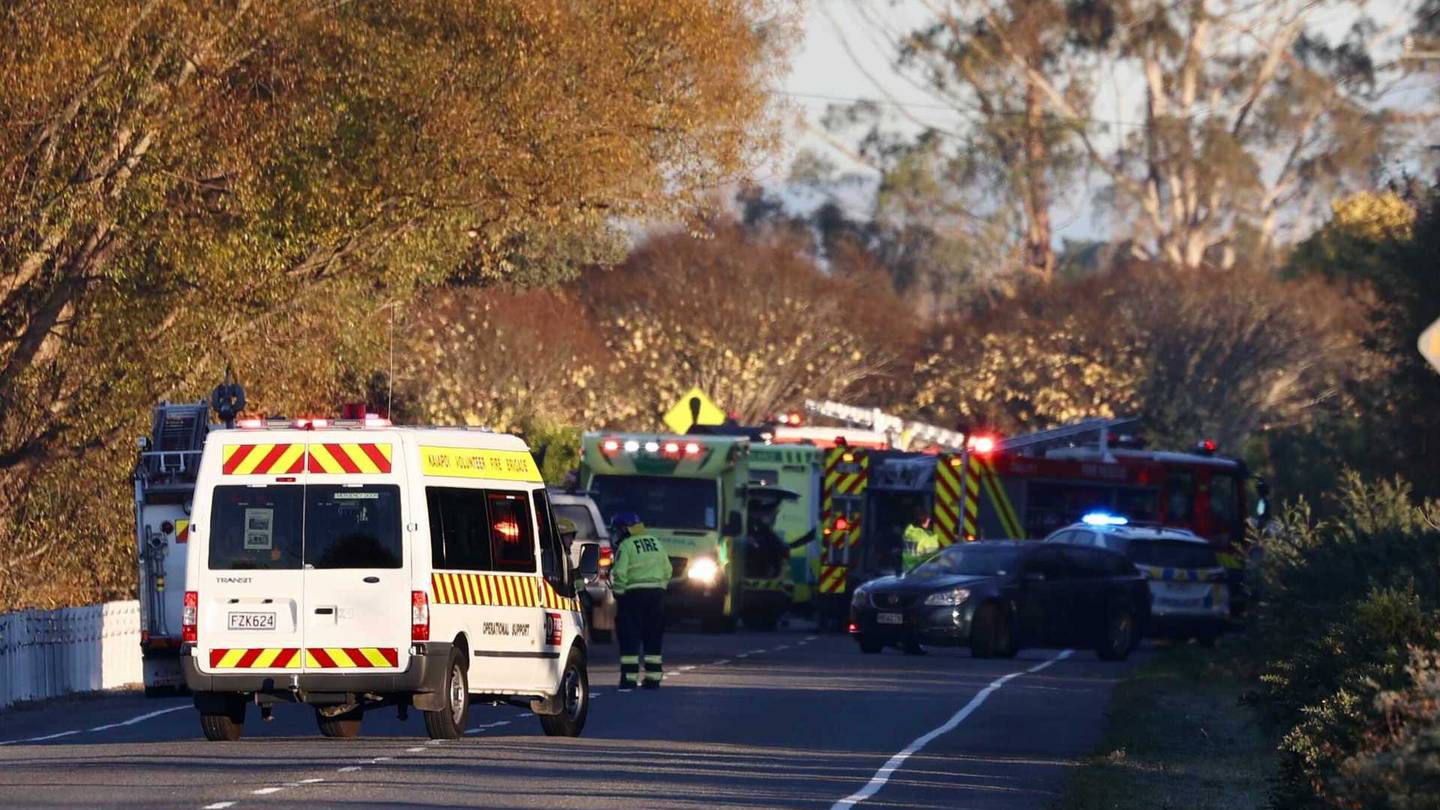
column 947, row 598
column 860, row 599
column 702, row 569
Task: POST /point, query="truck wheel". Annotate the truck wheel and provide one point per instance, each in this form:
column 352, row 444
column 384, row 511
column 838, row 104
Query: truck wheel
column 575, row 694
column 718, row 624
column 339, row 721
column 226, row 725
column 448, row 723
column 762, row 622
column 1119, row 637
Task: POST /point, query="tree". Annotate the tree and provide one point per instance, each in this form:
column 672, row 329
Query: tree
column 1248, row 117
column 186, row 183
column 748, row 317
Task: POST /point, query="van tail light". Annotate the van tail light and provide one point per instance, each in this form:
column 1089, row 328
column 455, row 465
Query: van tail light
column 419, row 616
column 607, row 556
column 189, row 618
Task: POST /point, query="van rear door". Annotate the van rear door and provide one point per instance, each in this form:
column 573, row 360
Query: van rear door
column 357, row 569
column 251, row 572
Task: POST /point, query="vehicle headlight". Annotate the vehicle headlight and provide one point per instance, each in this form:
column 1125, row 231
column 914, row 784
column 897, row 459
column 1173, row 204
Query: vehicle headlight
column 945, row 598
column 860, row 599
column 702, row 569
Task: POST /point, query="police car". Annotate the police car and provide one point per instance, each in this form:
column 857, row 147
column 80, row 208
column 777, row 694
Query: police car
column 358, row 566
column 1189, row 588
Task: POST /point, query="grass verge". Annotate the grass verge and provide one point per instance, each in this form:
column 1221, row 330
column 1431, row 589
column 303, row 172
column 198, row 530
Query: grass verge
column 1178, row 739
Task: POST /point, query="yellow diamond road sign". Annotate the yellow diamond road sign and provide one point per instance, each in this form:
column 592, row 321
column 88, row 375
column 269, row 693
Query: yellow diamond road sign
column 693, row 409
column 1430, row 344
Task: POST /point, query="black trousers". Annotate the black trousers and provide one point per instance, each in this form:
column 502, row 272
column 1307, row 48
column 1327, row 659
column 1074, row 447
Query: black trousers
column 640, row 625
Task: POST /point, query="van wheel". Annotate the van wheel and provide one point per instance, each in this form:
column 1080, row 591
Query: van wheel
column 226, row 725
column 575, row 697
column 448, row 723
column 339, row 721
column 1119, row 636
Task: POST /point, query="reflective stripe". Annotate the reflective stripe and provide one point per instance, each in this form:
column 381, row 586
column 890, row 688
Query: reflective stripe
column 630, row 659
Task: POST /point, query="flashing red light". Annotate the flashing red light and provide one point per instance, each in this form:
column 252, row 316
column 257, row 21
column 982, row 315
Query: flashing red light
column 983, row 445
column 310, row 423
column 610, row 447
column 250, row 424
column 607, row 556
column 854, row 628
column 794, row 419
column 841, row 524
column 694, row 448
column 1206, row 446
column 508, row 530
column 190, row 617
column 419, row 616
column 671, row 449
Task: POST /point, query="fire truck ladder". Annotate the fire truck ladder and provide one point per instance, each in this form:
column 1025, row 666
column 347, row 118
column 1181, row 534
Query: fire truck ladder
column 901, row 432
column 1097, row 432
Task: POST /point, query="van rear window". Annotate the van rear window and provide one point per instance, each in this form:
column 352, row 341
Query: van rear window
column 285, row 527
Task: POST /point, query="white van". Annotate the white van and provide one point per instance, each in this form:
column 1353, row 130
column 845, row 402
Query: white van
column 359, row 567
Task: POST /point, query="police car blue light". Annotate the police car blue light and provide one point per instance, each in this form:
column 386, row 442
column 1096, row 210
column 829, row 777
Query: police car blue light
column 1104, row 519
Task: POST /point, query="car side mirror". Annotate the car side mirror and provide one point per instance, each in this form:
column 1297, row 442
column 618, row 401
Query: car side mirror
column 734, row 525
column 590, row 563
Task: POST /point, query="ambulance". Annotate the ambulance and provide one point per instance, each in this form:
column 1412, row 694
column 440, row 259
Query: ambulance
column 357, row 566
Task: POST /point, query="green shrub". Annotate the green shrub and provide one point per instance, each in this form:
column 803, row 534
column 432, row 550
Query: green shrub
column 1347, row 600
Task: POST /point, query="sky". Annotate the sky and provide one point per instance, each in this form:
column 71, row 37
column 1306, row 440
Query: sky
column 842, row 58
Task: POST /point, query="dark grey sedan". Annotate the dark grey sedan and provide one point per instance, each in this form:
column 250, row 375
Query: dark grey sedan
column 999, row 596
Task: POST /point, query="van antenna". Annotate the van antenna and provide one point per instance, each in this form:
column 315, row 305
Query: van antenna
column 390, row 378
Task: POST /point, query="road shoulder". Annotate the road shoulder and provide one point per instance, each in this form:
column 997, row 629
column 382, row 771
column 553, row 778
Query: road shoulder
column 1178, row 736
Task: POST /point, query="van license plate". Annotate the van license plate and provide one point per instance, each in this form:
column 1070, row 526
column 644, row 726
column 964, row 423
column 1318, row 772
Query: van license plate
column 252, row 621
column 890, row 618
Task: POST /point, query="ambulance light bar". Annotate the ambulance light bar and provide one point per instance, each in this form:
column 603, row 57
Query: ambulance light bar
column 669, row 449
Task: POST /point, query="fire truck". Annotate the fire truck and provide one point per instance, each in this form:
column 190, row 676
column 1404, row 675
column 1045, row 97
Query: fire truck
column 164, row 480
column 982, row 486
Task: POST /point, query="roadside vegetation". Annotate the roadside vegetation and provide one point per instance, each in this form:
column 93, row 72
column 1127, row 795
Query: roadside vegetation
column 1179, row 738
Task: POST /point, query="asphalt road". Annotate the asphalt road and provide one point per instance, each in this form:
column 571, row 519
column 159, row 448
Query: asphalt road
column 785, row 719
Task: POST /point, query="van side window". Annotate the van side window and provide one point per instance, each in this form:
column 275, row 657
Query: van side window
column 459, row 529
column 552, row 552
column 511, row 537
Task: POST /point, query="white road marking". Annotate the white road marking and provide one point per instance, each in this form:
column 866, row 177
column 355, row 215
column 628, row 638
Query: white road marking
column 218, row 806
column 267, row 791
column 381, row 759
column 416, row 750
column 811, row 638
column 132, row 721
column 311, row 781
column 782, row 647
column 721, row 661
column 348, row 769
column 893, row 764
column 687, row 668
column 480, row 728
column 743, row 655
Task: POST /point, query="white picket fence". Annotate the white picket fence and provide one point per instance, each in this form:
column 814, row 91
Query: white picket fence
column 47, row 653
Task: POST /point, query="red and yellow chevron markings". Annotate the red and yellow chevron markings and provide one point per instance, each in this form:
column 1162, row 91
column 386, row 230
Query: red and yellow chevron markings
column 832, row 579
column 947, row 498
column 263, row 459
column 350, row 458
column 498, row 590
column 351, row 657
column 311, row 658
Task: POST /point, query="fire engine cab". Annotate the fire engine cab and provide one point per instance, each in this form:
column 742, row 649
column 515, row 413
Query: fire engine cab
column 356, row 565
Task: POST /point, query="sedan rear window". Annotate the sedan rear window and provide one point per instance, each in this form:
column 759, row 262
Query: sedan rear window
column 1172, row 554
column 325, row 526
